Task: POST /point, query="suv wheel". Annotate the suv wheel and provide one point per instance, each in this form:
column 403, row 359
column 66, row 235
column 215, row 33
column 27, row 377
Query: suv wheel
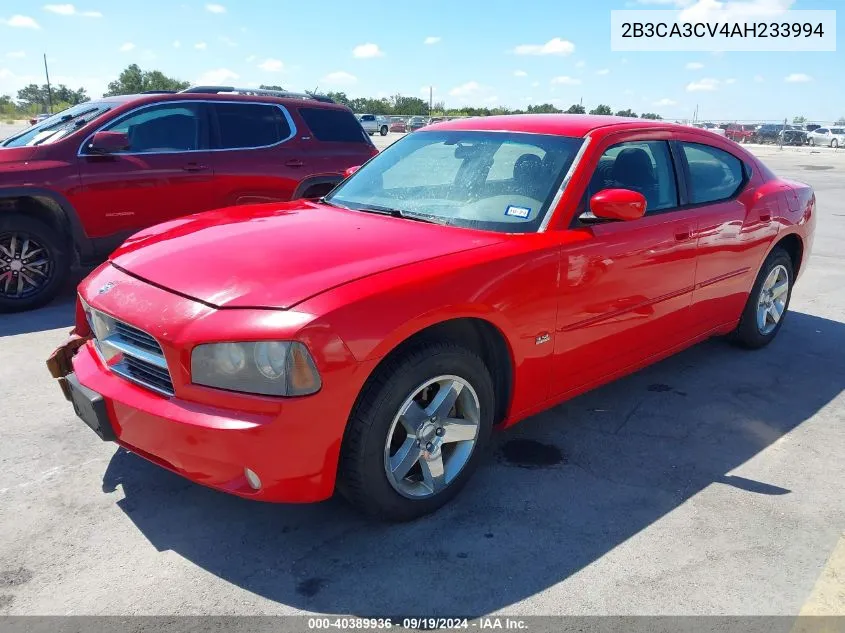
column 383, row 130
column 767, row 303
column 33, row 263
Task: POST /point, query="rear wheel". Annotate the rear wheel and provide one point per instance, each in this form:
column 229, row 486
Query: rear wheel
column 417, row 433
column 812, row 142
column 34, row 263
column 834, row 143
column 383, row 130
column 768, row 302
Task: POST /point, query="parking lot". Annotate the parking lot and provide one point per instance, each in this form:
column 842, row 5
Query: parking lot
column 710, row 483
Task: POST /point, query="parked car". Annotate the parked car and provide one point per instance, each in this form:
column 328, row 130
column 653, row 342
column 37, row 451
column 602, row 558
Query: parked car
column 415, row 123
column 38, row 118
column 371, row 341
column 793, row 137
column 740, row 133
column 73, row 187
column 397, row 124
column 710, row 127
column 374, row 124
column 812, row 126
column 769, row 132
column 827, row 136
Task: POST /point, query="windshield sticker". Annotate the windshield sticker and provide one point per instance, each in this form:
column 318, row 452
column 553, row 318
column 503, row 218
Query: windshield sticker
column 518, row 212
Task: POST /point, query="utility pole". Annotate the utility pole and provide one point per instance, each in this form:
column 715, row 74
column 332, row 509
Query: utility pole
column 430, row 99
column 49, row 89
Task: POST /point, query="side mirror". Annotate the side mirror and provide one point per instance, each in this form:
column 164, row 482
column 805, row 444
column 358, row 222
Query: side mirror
column 108, row 143
column 350, row 170
column 618, row 204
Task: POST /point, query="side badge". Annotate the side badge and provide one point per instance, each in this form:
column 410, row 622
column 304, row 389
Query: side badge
column 545, row 337
column 107, row 287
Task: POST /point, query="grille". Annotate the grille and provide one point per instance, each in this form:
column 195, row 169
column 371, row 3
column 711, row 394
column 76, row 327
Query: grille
column 132, row 353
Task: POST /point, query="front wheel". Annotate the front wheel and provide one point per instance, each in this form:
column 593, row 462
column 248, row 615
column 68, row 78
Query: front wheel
column 834, row 143
column 417, row 432
column 812, row 142
column 768, row 302
column 383, row 130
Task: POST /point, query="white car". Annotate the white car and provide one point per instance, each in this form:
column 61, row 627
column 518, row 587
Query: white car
column 373, row 123
column 827, row 136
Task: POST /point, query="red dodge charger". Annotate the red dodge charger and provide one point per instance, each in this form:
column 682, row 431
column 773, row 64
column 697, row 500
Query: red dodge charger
column 467, row 277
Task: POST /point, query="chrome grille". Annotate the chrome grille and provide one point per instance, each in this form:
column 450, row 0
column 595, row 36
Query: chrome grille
column 130, row 352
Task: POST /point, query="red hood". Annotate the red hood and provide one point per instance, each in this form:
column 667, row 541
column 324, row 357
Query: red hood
column 278, row 255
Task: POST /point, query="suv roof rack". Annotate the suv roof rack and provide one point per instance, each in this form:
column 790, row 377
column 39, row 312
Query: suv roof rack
column 259, row 92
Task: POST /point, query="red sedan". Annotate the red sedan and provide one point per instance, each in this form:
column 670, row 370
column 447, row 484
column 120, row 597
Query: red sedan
column 469, row 276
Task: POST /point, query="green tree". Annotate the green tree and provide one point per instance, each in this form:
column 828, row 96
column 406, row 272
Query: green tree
column 576, row 108
column 543, row 108
column 133, row 80
column 629, row 112
column 840, row 121
column 799, row 120
column 339, row 97
column 651, row 115
column 601, row 109
column 266, row 87
column 400, row 104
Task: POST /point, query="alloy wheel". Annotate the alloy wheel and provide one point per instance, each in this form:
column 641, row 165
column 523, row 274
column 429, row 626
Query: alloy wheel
column 25, row 266
column 432, row 437
column 771, row 303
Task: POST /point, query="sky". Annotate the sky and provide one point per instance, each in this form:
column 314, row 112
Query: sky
column 472, row 52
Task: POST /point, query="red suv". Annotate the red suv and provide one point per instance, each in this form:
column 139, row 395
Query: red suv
column 740, row 133
column 73, row 187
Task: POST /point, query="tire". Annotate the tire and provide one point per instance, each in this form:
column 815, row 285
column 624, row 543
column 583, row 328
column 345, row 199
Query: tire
column 383, row 130
column 371, row 133
column 812, row 142
column 749, row 333
column 834, row 144
column 375, row 424
column 26, row 230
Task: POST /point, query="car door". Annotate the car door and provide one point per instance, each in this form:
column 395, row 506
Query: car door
column 626, row 288
column 258, row 157
column 165, row 173
column 736, row 224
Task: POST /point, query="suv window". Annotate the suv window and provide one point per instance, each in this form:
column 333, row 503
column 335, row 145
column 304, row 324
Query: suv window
column 645, row 167
column 168, row 127
column 334, row 125
column 837, row 130
column 714, row 174
column 250, row 125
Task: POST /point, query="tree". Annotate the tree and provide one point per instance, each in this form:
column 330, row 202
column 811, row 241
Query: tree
column 543, row 108
column 576, row 108
column 651, row 115
column 629, row 112
column 799, row 120
column 407, row 105
column 133, row 80
column 601, row 109
column 265, row 87
column 840, row 121
column 339, row 97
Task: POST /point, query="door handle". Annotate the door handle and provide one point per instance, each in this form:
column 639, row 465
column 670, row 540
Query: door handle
column 294, row 162
column 194, row 167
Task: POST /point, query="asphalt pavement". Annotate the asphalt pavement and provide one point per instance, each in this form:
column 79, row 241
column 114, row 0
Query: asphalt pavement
column 710, row 483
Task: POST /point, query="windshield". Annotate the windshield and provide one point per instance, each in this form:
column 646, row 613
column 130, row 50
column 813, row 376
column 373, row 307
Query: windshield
column 495, row 181
column 58, row 126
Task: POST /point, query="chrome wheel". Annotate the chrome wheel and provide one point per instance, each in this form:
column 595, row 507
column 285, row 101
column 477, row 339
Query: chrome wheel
column 771, row 303
column 432, row 437
column 25, row 266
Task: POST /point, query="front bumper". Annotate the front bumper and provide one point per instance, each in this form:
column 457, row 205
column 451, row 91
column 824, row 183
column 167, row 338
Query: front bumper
column 294, row 452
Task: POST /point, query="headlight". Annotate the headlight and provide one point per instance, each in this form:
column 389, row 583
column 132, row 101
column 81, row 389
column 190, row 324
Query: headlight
column 270, row 368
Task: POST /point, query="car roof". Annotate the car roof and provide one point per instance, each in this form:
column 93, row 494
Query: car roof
column 155, row 97
column 561, row 124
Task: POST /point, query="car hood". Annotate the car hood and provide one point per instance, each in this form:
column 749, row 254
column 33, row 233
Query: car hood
column 278, row 255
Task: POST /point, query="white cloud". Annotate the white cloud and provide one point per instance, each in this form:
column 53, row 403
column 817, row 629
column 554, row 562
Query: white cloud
column 797, row 78
column 272, row 65
column 563, row 80
column 603, row 71
column 665, row 102
column 228, row 41
column 703, row 85
column 216, row 77
column 20, row 22
column 759, row 79
column 200, row 46
column 730, row 80
column 431, row 39
column 694, row 66
column 732, row 10
column 535, row 84
column 365, row 51
column 177, row 44
column 340, row 78
column 125, row 48
column 16, row 54
column 520, row 73
column 215, row 8
column 69, row 9
column 581, row 64
column 465, row 89
column 554, row 46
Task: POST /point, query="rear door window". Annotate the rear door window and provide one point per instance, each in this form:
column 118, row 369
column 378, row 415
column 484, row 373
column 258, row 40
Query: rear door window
column 250, row 125
column 714, row 174
column 339, row 126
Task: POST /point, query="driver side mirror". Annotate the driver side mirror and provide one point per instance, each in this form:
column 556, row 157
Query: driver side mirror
column 618, row 204
column 108, row 143
column 350, row 170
